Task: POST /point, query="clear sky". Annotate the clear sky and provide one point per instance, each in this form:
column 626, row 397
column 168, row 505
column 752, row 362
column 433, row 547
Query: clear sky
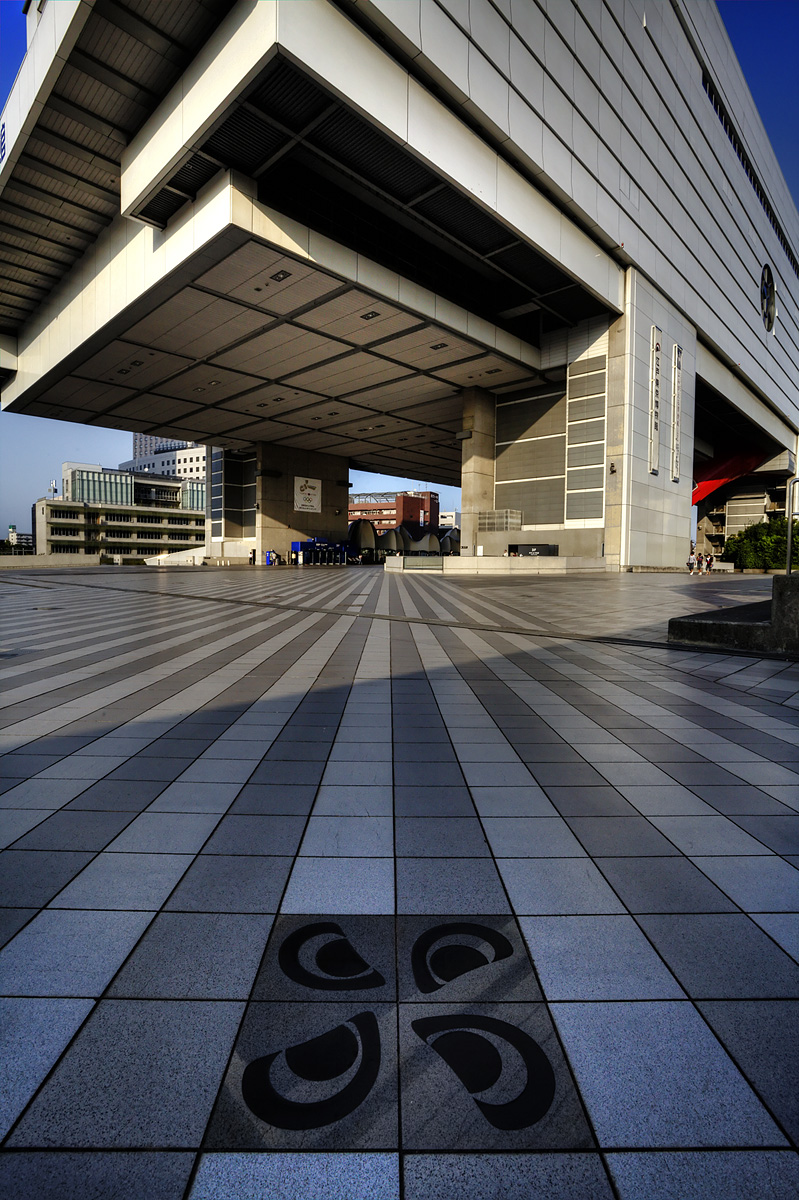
column 765, row 36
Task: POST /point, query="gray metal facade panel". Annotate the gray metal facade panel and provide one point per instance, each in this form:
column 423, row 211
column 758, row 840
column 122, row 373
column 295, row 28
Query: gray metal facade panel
column 541, row 502
column 531, row 460
column 531, row 418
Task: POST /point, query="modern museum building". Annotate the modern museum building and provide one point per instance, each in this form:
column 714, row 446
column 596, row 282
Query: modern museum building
column 541, row 250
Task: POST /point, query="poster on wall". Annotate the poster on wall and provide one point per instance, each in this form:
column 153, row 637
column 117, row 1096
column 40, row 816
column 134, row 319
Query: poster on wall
column 676, row 411
column 307, row 494
column 654, row 399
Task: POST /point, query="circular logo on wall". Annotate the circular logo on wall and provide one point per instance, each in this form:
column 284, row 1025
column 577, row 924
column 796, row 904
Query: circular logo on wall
column 768, row 298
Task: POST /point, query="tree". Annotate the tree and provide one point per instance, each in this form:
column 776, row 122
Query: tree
column 763, row 546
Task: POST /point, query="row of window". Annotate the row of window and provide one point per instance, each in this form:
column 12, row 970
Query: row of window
column 735, row 142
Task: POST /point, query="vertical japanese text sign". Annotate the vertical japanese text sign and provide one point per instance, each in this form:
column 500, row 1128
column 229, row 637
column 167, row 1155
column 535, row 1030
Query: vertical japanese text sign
column 676, row 411
column 654, row 399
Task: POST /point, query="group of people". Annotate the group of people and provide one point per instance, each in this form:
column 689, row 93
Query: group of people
column 702, row 564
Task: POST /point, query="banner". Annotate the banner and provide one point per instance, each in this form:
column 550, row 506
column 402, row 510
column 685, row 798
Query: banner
column 307, row 494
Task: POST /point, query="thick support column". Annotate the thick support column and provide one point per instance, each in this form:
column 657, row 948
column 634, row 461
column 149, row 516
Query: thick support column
column 616, row 462
column 477, row 467
column 299, row 495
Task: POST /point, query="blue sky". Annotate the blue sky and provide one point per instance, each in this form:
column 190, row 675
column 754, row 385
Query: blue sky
column 765, row 36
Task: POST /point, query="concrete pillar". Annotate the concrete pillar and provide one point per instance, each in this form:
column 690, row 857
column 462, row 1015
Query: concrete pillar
column 477, row 465
column 615, row 458
column 278, row 520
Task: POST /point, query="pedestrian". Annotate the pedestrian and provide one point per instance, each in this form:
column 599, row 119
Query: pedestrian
column 709, row 563
column 700, row 564
column 691, row 564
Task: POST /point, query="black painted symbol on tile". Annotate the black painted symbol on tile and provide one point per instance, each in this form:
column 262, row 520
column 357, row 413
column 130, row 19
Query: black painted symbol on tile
column 480, row 1065
column 321, row 1060
column 434, row 965
column 325, row 947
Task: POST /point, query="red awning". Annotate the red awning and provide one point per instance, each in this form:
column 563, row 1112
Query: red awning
column 726, row 466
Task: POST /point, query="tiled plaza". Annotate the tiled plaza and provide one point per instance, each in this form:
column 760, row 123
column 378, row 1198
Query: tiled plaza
column 339, row 884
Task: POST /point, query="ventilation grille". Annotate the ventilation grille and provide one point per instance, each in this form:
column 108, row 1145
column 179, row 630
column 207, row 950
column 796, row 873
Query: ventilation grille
column 244, row 141
column 162, row 207
column 356, row 145
column 193, row 175
column 289, row 97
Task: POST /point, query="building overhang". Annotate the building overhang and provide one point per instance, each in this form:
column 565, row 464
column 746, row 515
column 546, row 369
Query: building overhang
column 339, row 134
column 239, row 325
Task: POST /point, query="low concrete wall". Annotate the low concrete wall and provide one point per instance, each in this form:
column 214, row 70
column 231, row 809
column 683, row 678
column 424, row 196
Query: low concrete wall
column 785, row 611
column 759, row 627
column 178, row 558
column 483, row 565
column 27, row 562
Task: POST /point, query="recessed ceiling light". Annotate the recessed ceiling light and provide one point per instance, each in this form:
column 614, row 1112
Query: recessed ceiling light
column 258, row 289
column 494, row 371
column 364, row 429
column 213, row 383
column 261, row 405
column 279, row 276
column 439, row 346
column 333, row 413
column 137, row 362
column 316, row 418
column 370, row 316
column 199, row 389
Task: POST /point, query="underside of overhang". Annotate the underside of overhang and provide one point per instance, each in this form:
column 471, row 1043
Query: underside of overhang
column 721, row 429
column 64, row 186
column 327, row 166
column 261, row 345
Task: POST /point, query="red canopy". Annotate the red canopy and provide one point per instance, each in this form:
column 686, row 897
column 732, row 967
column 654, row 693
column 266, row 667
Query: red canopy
column 726, row 466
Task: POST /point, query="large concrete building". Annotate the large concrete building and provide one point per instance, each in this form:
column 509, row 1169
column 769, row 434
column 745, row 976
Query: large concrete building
column 540, row 250
column 386, row 510
column 119, row 514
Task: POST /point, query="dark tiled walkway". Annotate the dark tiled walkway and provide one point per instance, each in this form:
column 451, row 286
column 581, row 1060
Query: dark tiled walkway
column 339, row 884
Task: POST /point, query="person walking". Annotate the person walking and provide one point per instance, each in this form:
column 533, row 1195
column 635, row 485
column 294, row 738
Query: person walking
column 709, row 563
column 691, row 564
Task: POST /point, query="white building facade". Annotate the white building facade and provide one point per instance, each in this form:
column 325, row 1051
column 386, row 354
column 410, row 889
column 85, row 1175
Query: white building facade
column 543, row 251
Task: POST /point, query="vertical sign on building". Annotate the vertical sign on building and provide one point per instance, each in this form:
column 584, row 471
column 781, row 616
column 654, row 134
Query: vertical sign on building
column 654, row 399
column 676, row 411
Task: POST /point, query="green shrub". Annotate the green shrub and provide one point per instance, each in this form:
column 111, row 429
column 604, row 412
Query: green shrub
column 763, row 546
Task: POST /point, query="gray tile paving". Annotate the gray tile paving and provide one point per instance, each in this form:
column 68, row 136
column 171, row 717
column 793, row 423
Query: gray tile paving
column 571, row 1176
column 297, row 1176
column 734, row 1175
column 45, row 1027
column 169, row 1055
column 130, row 882
column 302, row 904
column 69, row 953
column 45, row 1175
column 652, row 1074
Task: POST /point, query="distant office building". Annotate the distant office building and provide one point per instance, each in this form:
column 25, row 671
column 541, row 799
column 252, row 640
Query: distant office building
column 21, row 543
column 185, row 461
column 449, row 520
column 147, row 444
column 386, row 510
column 105, row 511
